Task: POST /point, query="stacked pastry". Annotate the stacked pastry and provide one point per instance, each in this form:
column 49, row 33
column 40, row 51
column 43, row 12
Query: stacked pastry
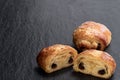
column 91, row 35
column 91, row 38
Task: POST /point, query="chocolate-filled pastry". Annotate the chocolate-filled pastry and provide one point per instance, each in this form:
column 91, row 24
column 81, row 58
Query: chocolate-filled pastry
column 56, row 57
column 91, row 35
column 96, row 63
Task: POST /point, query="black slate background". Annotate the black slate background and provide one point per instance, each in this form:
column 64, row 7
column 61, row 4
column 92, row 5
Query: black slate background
column 26, row 26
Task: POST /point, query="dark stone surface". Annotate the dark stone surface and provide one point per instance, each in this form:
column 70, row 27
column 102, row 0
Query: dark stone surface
column 26, row 26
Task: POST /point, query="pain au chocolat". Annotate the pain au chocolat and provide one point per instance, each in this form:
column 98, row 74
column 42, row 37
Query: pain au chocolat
column 56, row 57
column 96, row 63
column 91, row 35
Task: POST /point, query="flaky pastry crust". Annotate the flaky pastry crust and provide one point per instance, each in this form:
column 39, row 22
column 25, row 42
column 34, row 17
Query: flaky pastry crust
column 96, row 63
column 91, row 35
column 56, row 57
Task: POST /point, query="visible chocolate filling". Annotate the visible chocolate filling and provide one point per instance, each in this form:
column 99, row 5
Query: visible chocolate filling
column 101, row 72
column 82, row 47
column 98, row 46
column 70, row 52
column 70, row 60
column 54, row 65
column 81, row 66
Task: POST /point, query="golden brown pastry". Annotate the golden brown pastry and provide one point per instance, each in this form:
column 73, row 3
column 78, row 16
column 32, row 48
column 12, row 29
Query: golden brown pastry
column 92, row 35
column 56, row 57
column 95, row 62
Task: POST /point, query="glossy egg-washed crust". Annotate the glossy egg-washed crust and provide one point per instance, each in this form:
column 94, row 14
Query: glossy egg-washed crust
column 97, row 56
column 46, row 55
column 89, row 34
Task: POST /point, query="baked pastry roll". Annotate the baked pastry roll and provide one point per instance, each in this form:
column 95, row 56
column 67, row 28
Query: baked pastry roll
column 91, row 35
column 56, row 57
column 96, row 63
